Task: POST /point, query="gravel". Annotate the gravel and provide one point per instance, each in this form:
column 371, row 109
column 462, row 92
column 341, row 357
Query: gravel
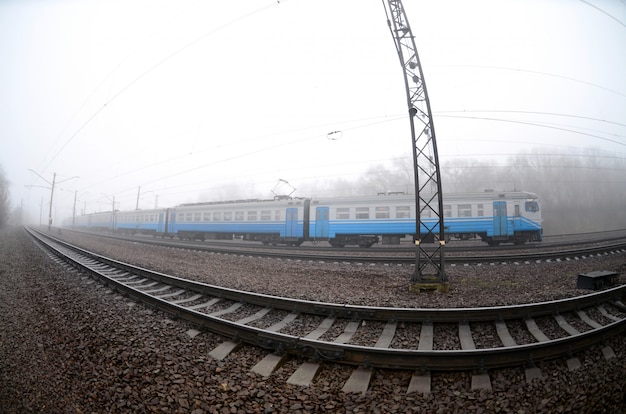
column 486, row 284
column 70, row 346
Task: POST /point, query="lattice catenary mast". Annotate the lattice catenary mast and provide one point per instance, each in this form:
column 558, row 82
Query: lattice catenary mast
column 429, row 262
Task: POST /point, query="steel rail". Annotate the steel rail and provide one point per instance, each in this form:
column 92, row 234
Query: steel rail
column 478, row 359
column 373, row 313
column 375, row 256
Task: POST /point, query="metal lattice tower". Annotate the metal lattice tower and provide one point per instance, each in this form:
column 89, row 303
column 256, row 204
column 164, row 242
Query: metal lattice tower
column 429, row 228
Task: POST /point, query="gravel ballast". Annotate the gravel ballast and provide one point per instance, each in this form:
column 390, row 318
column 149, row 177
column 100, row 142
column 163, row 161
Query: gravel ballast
column 68, row 345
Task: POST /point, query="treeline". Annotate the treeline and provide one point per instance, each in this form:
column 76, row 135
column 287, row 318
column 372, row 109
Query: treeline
column 580, row 192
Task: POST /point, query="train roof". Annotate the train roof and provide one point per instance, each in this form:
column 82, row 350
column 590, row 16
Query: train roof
column 447, row 197
column 244, row 201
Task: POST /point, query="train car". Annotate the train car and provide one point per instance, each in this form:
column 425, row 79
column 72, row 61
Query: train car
column 95, row 221
column 279, row 221
column 494, row 217
column 150, row 222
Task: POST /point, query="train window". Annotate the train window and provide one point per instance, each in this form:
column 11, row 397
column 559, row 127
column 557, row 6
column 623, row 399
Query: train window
column 206, row 216
column 532, row 206
column 403, row 212
column 228, row 216
column 251, row 215
column 180, row 217
column 465, row 210
column 217, row 216
column 266, row 215
column 362, row 213
column 447, row 210
column 382, row 212
column 188, row 217
column 343, row 213
column 197, row 216
column 277, row 215
column 238, row 215
column 480, row 210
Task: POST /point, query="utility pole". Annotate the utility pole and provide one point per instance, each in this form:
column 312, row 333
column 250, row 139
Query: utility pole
column 54, row 177
column 429, row 264
column 74, row 210
column 52, row 185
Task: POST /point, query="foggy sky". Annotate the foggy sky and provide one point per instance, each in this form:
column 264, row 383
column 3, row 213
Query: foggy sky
column 184, row 99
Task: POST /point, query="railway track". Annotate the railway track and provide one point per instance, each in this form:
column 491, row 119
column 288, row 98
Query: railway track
column 368, row 337
column 393, row 256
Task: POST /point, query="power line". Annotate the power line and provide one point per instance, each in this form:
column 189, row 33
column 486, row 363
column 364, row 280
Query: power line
column 603, row 12
column 536, row 72
column 534, row 124
column 149, row 70
column 535, row 113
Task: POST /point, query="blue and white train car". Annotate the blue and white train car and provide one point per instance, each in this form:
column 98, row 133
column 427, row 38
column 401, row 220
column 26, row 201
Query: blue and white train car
column 150, row 222
column 494, row 217
column 95, row 221
column 268, row 221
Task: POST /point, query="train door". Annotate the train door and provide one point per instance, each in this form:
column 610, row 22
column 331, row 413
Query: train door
column 170, row 225
column 500, row 227
column 161, row 227
column 321, row 222
column 291, row 222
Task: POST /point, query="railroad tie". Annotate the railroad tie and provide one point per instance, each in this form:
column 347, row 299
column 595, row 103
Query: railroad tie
column 360, row 378
column 566, row 326
column 503, row 333
column 421, row 381
column 535, row 331
column 306, row 373
column 271, row 362
column 534, row 372
column 223, row 350
column 585, row 318
column 606, row 314
column 479, row 381
column 204, row 305
column 189, row 299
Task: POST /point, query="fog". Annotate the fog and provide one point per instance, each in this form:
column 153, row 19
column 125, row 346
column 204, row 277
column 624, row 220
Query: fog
column 582, row 191
column 158, row 103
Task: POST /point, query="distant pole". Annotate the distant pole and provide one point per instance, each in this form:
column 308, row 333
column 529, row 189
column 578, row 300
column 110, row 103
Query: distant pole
column 54, row 177
column 138, row 191
column 74, row 211
column 52, row 184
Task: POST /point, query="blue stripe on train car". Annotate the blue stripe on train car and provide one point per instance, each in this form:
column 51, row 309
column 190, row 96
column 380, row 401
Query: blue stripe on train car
column 270, row 227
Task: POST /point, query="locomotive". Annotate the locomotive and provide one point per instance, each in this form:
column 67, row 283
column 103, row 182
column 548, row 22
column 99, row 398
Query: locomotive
column 494, row 217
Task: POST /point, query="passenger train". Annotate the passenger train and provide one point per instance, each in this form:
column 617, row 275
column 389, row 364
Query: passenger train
column 494, row 217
